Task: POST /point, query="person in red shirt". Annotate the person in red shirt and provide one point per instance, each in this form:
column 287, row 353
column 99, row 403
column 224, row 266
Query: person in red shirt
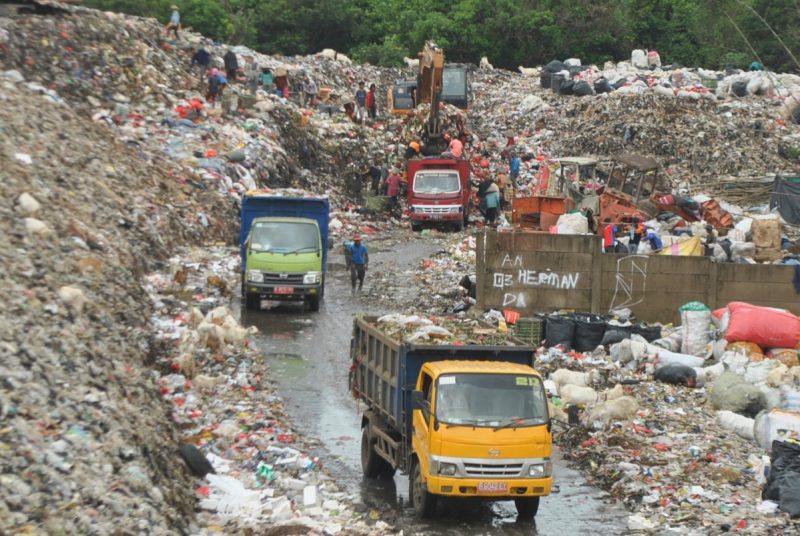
column 372, row 102
column 455, row 149
column 393, row 182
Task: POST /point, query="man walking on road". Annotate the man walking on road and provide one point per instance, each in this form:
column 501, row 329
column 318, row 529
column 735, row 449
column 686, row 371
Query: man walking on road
column 359, row 261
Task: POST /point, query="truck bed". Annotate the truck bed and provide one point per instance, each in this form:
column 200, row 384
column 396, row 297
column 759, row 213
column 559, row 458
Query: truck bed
column 385, row 368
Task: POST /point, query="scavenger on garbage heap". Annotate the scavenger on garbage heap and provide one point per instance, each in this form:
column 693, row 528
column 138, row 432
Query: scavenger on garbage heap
column 174, row 23
column 372, row 103
column 201, row 59
column 361, row 103
column 393, row 183
column 454, row 149
column 492, row 201
column 252, row 75
column 231, row 65
column 359, row 261
column 309, row 91
column 216, row 85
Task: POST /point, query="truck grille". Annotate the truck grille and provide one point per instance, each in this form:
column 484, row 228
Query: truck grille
column 274, row 278
column 492, row 469
column 427, row 209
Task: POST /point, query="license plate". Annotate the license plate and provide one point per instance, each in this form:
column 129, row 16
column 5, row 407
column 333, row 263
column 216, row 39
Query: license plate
column 283, row 290
column 435, row 217
column 492, row 487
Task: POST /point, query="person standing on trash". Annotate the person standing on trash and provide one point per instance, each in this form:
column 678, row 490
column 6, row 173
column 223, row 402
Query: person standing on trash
column 359, row 262
column 201, row 59
column 252, row 75
column 514, row 167
column 174, row 23
column 231, row 64
column 216, row 84
column 393, row 183
column 454, row 149
column 483, row 187
column 372, row 102
column 374, row 174
column 309, row 91
column 361, row 103
column 492, row 202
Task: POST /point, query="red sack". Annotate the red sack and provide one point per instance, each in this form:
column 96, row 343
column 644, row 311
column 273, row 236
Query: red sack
column 765, row 326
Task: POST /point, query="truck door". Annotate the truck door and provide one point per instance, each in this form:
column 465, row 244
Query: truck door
column 420, row 442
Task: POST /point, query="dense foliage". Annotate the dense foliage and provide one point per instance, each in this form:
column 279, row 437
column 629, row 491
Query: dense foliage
column 709, row 33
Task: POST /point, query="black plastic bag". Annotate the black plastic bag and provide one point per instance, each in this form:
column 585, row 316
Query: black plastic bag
column 555, row 82
column 566, row 88
column 582, row 89
column 784, row 459
column 589, row 331
column 559, row 331
column 554, row 66
column 739, row 88
column 601, row 85
column 790, row 493
column 619, row 83
column 615, row 334
column 650, row 333
column 544, row 79
column 676, row 375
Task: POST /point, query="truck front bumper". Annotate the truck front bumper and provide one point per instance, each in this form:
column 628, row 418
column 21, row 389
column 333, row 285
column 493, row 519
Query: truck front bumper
column 289, row 291
column 499, row 488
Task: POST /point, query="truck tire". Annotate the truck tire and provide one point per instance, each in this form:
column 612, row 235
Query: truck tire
column 372, row 464
column 416, row 227
column 527, row 507
column 459, row 226
column 313, row 303
column 422, row 500
column 252, row 301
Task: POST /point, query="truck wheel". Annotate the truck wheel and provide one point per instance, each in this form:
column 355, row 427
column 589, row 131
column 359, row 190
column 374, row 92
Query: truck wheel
column 252, row 301
column 416, row 227
column 372, row 464
column 313, row 303
column 526, row 507
column 422, row 500
column 459, row 226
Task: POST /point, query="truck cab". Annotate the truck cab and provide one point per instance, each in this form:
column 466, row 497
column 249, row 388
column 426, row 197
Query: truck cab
column 438, row 192
column 284, row 243
column 480, row 429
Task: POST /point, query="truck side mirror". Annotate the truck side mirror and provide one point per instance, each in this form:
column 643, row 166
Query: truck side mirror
column 417, row 400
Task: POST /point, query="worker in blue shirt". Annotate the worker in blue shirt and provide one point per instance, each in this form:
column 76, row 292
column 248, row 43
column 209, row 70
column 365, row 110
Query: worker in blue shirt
column 174, row 21
column 359, row 261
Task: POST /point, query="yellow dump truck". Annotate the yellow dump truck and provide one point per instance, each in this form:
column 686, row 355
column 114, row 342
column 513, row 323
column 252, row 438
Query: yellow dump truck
column 464, row 418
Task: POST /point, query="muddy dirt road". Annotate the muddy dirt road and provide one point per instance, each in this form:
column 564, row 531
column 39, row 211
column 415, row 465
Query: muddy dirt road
column 309, row 359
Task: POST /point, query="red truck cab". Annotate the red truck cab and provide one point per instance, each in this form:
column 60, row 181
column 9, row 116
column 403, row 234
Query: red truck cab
column 439, row 192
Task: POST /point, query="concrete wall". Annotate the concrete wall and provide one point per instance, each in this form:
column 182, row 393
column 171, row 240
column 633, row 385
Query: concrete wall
column 534, row 272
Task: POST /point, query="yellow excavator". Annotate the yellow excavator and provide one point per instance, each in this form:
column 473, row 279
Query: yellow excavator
column 435, row 80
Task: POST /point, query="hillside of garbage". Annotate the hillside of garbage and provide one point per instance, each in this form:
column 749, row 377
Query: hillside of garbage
column 105, row 178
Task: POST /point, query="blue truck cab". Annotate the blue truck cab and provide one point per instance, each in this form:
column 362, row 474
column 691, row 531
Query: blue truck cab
column 284, row 248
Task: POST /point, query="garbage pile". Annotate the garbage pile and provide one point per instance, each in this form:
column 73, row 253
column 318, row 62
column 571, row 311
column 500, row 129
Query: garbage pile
column 679, row 428
column 700, row 141
column 251, row 469
column 420, row 329
column 85, row 446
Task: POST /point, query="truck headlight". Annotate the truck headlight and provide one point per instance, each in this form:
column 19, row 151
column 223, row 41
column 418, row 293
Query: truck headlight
column 255, row 276
column 540, row 470
column 447, row 469
column 311, row 278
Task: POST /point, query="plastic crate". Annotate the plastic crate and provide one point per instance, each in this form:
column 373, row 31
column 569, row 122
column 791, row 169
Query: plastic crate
column 529, row 330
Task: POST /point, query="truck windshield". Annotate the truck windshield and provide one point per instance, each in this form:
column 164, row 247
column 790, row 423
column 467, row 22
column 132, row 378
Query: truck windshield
column 437, row 183
column 284, row 237
column 490, row 400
